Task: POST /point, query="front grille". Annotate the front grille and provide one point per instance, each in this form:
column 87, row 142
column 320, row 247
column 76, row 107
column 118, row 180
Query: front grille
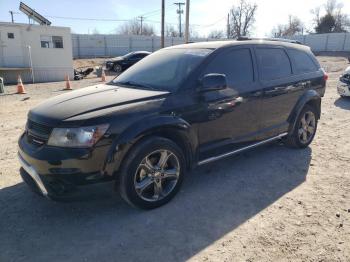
column 37, row 133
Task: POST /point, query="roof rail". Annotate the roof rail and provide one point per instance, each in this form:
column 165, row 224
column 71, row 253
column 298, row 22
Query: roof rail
column 245, row 38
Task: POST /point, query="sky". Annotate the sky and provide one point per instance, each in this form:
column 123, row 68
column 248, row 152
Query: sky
column 205, row 15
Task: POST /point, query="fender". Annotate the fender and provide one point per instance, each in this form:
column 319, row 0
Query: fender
column 123, row 142
column 309, row 95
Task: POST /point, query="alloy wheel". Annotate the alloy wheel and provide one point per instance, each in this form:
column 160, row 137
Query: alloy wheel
column 307, row 127
column 157, row 175
column 117, row 68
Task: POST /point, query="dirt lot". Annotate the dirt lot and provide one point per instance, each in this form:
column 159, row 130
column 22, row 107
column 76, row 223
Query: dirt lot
column 270, row 204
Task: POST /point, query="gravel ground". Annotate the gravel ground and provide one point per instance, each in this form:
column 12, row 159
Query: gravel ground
column 270, row 204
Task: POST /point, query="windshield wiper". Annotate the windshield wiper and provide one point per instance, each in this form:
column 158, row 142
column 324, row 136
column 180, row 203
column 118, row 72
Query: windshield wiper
column 135, row 84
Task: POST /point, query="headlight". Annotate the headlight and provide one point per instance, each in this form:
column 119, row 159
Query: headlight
column 77, row 137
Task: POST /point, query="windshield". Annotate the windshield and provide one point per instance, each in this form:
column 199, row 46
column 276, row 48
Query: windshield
column 163, row 70
column 128, row 55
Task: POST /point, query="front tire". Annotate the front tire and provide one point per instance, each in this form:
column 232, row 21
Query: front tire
column 304, row 128
column 117, row 68
column 152, row 173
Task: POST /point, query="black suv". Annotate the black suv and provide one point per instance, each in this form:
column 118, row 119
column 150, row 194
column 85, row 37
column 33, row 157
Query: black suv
column 178, row 108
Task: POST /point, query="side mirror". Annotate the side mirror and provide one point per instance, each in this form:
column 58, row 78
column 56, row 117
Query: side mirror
column 212, row 82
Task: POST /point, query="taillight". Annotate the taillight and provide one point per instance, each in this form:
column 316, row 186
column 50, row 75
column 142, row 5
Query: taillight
column 325, row 75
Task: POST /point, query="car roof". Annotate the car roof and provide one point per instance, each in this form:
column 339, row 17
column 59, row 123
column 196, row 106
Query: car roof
column 141, row 52
column 228, row 43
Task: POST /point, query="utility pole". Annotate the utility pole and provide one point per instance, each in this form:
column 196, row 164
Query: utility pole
column 179, row 12
column 228, row 25
column 162, row 26
column 11, row 12
column 187, row 24
column 142, row 18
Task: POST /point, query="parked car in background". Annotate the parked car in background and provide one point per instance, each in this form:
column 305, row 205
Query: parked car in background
column 180, row 107
column 121, row 63
column 344, row 83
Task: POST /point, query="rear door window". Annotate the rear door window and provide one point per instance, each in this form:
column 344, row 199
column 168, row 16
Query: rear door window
column 273, row 63
column 236, row 64
column 302, row 62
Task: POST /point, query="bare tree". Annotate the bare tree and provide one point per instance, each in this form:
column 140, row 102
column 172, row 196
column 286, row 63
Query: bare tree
column 217, row 34
column 134, row 28
column 242, row 18
column 294, row 27
column 193, row 32
column 334, row 20
column 170, row 31
column 95, row 31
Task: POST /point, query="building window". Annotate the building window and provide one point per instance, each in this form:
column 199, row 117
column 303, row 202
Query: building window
column 51, row 41
column 57, row 41
column 10, row 35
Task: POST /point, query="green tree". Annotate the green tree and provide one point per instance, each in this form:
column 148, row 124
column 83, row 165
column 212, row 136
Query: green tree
column 333, row 21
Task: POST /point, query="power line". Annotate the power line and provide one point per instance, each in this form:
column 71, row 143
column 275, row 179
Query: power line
column 211, row 24
column 179, row 11
column 141, row 20
column 89, row 19
column 151, row 12
column 228, row 26
column 162, row 25
column 187, row 23
column 12, row 15
column 128, row 20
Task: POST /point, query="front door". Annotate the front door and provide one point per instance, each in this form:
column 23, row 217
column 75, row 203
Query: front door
column 230, row 116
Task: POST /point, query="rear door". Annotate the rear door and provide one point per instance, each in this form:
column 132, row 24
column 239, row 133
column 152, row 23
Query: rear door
column 307, row 70
column 280, row 89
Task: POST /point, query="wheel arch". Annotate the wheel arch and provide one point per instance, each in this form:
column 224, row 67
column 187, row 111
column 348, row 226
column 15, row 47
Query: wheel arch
column 175, row 129
column 310, row 97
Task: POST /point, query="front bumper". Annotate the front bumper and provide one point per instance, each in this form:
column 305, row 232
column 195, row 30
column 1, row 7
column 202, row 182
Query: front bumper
column 109, row 65
column 343, row 88
column 59, row 172
column 34, row 175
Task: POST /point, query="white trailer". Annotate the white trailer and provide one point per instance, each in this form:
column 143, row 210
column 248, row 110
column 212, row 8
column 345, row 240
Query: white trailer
column 39, row 53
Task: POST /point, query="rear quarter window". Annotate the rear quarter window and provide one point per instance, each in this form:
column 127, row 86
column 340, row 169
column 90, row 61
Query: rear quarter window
column 273, row 63
column 302, row 62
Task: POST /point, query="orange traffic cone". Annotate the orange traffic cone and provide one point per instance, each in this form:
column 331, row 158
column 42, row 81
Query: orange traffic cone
column 68, row 87
column 20, row 86
column 103, row 76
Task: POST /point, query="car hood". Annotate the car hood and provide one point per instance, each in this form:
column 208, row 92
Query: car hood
column 84, row 101
column 115, row 59
column 347, row 70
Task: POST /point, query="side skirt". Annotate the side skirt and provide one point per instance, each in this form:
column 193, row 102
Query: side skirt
column 215, row 158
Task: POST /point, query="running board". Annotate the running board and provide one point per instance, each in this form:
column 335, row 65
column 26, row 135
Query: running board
column 215, row 158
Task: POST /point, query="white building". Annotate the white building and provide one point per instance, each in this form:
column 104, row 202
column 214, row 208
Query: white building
column 38, row 53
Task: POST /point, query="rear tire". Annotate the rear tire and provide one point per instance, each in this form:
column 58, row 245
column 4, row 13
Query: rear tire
column 304, row 130
column 152, row 173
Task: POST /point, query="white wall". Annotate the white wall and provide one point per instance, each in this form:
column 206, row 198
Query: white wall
column 49, row 64
column 337, row 42
column 114, row 45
